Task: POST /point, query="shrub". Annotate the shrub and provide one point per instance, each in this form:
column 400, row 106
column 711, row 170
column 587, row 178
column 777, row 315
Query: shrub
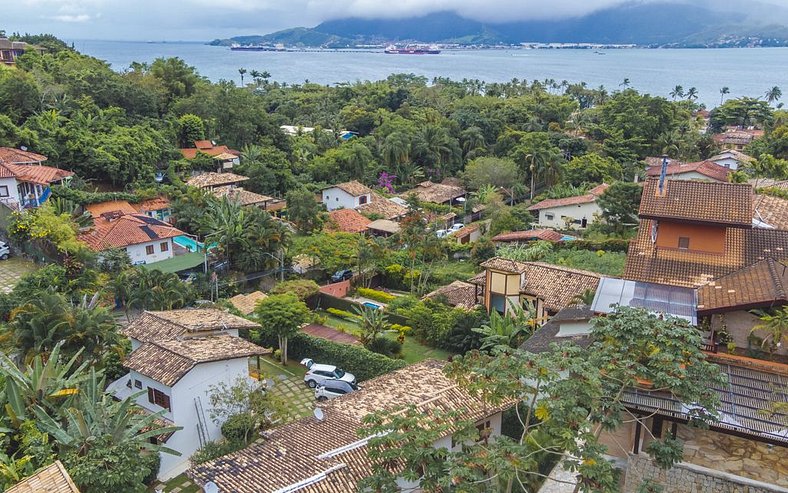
column 239, row 427
column 385, row 346
column 82, row 197
column 303, row 288
column 214, row 450
column 342, row 313
column 376, row 295
column 362, row 363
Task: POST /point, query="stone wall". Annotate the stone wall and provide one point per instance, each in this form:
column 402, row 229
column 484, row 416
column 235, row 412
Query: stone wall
column 691, row 478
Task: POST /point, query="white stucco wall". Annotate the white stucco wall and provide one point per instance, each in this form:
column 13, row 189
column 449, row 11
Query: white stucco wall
column 183, row 396
column 138, row 255
column 691, row 175
column 13, row 193
column 335, row 198
column 728, row 162
column 578, row 212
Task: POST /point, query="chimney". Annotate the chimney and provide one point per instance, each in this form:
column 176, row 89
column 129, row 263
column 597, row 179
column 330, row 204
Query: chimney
column 662, row 175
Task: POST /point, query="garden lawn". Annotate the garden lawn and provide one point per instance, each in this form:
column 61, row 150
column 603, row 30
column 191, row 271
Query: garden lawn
column 448, row 271
column 413, row 351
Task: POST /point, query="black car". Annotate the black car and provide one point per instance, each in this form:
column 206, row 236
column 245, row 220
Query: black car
column 342, row 275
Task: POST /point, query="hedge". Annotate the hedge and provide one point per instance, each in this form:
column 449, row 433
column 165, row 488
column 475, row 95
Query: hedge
column 82, row 197
column 376, row 295
column 362, row 363
column 612, row 245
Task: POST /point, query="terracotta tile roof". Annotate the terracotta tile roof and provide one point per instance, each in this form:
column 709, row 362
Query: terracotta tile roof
column 211, row 151
column 203, row 144
column 9, row 155
column 121, row 206
column 437, row 193
column 383, row 207
column 544, row 337
column 530, row 235
column 209, row 180
column 169, row 360
column 478, row 279
column 330, row 451
column 458, row 294
column 466, row 231
column 155, row 326
column 128, row 229
column 505, row 265
column 346, row 220
column 354, row 188
column 556, row 286
column 771, row 210
column 657, row 161
column 51, row 479
column 698, row 202
column 708, row 169
column 762, row 284
column 384, row 225
column 155, row 204
column 587, row 198
column 33, row 173
column 244, row 197
column 646, row 262
column 246, row 303
column 737, row 155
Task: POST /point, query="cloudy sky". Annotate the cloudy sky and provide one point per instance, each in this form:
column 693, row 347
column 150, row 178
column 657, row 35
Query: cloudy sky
column 208, row 19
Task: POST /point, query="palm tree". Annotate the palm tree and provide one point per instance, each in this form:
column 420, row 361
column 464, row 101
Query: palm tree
column 585, row 298
column 227, row 223
column 373, row 322
column 511, row 329
column 773, row 94
column 677, row 92
column 242, row 71
column 395, row 149
column 625, row 83
column 692, row 94
column 725, row 90
column 435, row 146
column 472, row 138
column 152, row 289
column 775, row 325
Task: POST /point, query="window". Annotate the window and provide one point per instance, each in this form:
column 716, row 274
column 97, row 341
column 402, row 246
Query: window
column 159, row 398
column 549, row 216
column 149, row 250
column 137, row 384
column 4, row 191
column 683, row 243
column 165, row 247
column 362, row 200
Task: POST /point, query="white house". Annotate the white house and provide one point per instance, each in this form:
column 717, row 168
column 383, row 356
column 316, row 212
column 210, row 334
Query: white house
column 701, row 170
column 24, row 181
column 325, row 453
column 177, row 356
column 117, row 224
column 570, row 212
column 731, row 159
column 347, row 195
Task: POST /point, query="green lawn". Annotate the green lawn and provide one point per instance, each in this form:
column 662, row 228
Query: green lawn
column 271, row 367
column 182, row 482
column 340, row 323
column 449, row 271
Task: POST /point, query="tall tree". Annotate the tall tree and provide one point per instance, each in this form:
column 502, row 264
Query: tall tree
column 282, row 315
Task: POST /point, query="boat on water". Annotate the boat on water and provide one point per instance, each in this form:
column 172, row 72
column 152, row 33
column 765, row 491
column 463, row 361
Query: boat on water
column 237, row 47
column 411, row 50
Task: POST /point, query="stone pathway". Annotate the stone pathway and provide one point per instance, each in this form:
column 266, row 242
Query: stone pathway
column 295, row 392
column 12, row 270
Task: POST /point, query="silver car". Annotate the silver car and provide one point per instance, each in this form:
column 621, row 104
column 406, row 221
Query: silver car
column 318, row 374
column 334, row 389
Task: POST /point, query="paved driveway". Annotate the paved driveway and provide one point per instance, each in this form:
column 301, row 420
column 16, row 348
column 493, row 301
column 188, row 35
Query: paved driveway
column 12, row 270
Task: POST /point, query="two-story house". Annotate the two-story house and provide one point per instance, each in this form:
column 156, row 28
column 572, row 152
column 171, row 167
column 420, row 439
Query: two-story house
column 324, row 453
column 224, row 157
column 228, row 185
column 348, row 195
column 549, row 288
column 24, row 181
column 731, row 159
column 117, row 224
column 177, row 356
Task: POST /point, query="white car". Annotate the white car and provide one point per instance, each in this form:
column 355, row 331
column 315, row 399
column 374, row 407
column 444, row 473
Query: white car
column 332, row 390
column 456, row 227
column 318, row 374
column 441, row 233
column 5, row 251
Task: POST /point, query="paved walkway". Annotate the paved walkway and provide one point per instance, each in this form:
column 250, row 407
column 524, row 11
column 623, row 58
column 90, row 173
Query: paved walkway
column 12, row 270
column 294, row 391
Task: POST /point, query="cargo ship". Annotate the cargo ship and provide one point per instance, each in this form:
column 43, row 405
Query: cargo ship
column 237, row 47
column 412, row 50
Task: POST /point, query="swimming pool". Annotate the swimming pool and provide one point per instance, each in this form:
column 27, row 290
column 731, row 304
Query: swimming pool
column 371, row 305
column 191, row 244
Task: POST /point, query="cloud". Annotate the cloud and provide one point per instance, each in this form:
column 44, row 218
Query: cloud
column 207, row 19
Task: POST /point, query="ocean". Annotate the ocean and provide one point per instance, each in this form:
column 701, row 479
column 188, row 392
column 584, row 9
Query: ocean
column 746, row 71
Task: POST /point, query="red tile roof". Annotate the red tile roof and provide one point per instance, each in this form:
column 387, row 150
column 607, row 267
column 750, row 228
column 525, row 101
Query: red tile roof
column 530, row 235
column 120, row 206
column 155, row 204
column 762, row 284
column 128, row 229
column 771, row 210
column 580, row 199
column 698, row 202
column 33, row 173
column 211, row 151
column 347, row 220
column 709, row 169
column 9, row 155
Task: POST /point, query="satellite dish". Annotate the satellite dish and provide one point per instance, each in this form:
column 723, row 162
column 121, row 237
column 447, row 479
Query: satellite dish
column 24, row 148
column 318, row 414
column 210, row 487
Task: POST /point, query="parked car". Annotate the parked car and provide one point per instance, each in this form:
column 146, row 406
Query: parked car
column 342, row 275
column 5, row 250
column 333, row 389
column 318, row 374
column 457, row 226
column 441, row 233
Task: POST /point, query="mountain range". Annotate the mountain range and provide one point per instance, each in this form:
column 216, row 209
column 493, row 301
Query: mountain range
column 657, row 24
